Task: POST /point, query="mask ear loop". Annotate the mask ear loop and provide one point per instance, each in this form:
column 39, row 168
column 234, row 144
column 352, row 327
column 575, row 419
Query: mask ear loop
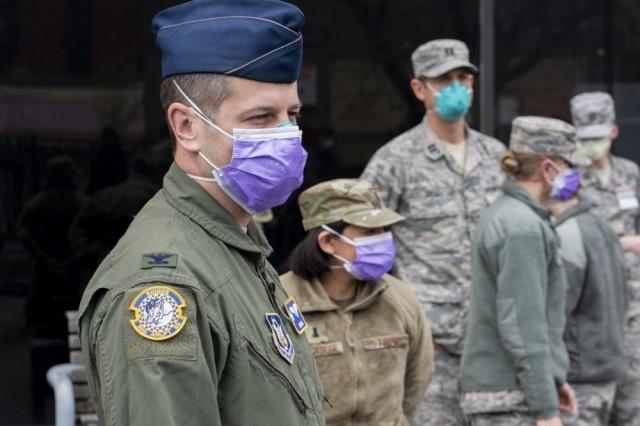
column 197, row 111
column 337, row 256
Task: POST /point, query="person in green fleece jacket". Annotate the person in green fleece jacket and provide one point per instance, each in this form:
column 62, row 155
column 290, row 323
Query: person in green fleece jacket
column 514, row 364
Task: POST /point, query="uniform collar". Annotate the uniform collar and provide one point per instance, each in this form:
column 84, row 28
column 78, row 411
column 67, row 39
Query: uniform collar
column 434, row 149
column 190, row 199
column 516, row 191
column 584, row 205
column 590, row 177
column 314, row 298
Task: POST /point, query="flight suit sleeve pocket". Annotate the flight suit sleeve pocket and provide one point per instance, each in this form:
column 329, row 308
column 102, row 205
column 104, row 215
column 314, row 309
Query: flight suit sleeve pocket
column 159, row 321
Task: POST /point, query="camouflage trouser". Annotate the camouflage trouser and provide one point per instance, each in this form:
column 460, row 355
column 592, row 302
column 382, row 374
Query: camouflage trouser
column 595, row 402
column 441, row 405
column 502, row 419
column 626, row 407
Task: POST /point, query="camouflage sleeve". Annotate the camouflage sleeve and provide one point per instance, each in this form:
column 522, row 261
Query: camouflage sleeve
column 637, row 176
column 522, row 321
column 138, row 381
column 419, row 362
column 383, row 171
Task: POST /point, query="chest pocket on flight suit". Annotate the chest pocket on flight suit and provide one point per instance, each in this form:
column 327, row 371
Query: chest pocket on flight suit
column 267, row 378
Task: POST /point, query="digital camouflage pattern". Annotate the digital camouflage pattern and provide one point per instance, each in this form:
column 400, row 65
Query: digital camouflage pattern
column 593, row 115
column 595, row 401
column 353, row 201
column 441, row 405
column 438, row 57
column 617, row 203
column 545, row 136
column 442, row 203
column 494, row 402
column 502, row 419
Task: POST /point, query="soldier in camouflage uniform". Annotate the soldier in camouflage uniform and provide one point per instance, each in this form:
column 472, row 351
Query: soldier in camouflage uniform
column 440, row 175
column 367, row 330
column 614, row 182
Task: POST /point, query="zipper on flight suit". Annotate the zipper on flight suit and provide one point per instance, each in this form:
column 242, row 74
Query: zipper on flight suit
column 269, row 285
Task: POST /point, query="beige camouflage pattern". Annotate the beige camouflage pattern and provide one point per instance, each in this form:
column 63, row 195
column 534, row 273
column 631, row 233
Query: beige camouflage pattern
column 593, row 115
column 441, row 405
column 442, row 203
column 617, row 204
column 438, row 57
column 374, row 356
column 595, row 401
column 353, row 201
column 545, row 136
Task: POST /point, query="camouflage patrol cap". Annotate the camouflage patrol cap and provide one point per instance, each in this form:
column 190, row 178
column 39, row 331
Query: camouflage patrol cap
column 438, row 57
column 593, row 115
column 545, row 136
column 352, row 201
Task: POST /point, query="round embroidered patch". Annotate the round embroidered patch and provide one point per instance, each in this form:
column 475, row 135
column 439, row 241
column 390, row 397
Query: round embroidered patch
column 158, row 313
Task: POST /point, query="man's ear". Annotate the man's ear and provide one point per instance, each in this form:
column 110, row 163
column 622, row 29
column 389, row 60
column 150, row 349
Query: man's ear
column 419, row 89
column 615, row 131
column 180, row 119
column 325, row 242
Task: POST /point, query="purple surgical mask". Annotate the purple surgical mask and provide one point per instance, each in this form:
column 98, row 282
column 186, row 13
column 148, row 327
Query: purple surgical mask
column 374, row 255
column 566, row 184
column 266, row 166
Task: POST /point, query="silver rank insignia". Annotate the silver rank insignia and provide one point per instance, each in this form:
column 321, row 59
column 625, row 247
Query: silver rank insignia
column 158, row 313
column 280, row 339
column 295, row 316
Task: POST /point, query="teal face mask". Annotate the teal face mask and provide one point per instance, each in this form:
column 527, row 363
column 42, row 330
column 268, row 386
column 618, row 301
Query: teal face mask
column 453, row 101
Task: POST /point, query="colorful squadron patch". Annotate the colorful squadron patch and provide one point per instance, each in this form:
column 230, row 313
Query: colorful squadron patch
column 158, row 313
column 295, row 315
column 282, row 341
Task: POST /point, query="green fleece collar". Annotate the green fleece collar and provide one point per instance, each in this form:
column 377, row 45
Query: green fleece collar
column 516, row 191
column 583, row 206
column 189, row 198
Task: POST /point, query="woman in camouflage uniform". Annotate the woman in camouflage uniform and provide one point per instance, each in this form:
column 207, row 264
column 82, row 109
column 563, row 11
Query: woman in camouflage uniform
column 371, row 340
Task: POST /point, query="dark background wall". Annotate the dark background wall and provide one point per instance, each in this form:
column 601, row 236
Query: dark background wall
column 71, row 68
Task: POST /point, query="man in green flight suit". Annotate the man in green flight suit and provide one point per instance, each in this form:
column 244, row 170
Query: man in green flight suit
column 185, row 322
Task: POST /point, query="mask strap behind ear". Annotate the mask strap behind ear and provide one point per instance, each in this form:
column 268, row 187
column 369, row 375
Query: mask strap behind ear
column 337, row 234
column 197, row 111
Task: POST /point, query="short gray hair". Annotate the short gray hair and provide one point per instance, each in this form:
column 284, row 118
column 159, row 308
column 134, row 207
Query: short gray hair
column 207, row 90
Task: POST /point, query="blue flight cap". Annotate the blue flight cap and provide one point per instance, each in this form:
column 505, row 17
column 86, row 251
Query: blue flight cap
column 254, row 39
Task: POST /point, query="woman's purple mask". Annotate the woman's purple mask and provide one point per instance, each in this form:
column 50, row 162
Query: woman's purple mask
column 374, row 255
column 566, row 184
